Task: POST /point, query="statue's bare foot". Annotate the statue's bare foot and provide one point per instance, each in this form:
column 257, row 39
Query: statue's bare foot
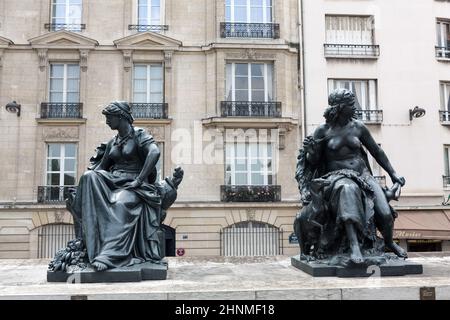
column 356, row 256
column 99, row 266
column 399, row 251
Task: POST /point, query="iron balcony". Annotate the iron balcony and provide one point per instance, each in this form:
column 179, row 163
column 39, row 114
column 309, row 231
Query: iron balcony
column 64, row 26
column 61, row 110
column 150, row 110
column 269, row 109
column 250, row 193
column 370, row 116
column 53, row 194
column 148, row 27
column 443, row 52
column 351, row 50
column 249, row 30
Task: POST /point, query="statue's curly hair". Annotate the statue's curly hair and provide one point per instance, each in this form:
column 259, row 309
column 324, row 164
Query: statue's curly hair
column 336, row 100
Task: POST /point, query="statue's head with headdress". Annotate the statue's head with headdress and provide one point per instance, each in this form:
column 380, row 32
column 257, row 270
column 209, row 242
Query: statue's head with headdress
column 341, row 104
column 116, row 111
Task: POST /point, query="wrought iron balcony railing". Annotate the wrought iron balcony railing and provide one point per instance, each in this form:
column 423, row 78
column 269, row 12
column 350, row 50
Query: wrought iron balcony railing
column 353, row 50
column 446, row 181
column 54, row 194
column 444, row 117
column 65, row 26
column 247, row 193
column 61, row 110
column 443, row 52
column 249, row 30
column 370, row 116
column 270, row 109
column 381, row 180
column 148, row 27
column 150, row 110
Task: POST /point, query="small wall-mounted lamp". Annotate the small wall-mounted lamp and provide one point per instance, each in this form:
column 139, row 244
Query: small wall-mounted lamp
column 13, row 107
column 416, row 113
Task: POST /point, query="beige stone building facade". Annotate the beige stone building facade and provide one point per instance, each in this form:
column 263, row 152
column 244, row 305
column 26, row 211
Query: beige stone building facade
column 195, row 71
column 228, row 88
column 395, row 56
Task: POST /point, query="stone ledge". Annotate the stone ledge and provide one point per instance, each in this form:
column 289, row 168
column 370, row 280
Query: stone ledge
column 224, row 278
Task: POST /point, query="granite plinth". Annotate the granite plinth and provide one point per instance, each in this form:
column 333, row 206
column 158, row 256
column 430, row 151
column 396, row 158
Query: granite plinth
column 135, row 273
column 391, row 268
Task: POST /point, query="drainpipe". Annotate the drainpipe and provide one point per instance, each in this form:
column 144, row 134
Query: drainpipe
column 301, row 71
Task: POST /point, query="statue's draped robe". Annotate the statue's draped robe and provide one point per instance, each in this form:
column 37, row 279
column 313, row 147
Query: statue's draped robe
column 120, row 226
column 347, row 196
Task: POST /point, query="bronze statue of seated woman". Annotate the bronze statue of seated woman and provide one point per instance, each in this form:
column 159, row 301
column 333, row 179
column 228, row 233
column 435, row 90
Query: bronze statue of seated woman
column 344, row 205
column 118, row 207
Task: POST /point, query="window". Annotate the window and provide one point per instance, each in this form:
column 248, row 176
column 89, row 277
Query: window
column 249, row 82
column 445, row 96
column 64, row 83
column 249, row 163
column 66, row 14
column 148, row 83
column 349, row 30
column 443, row 33
column 365, row 91
column 447, row 161
column 248, row 11
column 61, row 164
column 149, row 12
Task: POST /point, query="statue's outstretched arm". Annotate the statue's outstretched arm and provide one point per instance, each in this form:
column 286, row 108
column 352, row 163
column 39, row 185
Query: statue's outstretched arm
column 152, row 156
column 378, row 154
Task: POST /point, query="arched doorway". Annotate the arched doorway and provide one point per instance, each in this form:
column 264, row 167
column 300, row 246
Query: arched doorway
column 53, row 237
column 251, row 238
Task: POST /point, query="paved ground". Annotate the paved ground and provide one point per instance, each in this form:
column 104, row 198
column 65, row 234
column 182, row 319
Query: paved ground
column 227, row 278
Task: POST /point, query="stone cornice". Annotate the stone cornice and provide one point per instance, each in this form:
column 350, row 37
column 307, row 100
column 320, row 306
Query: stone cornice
column 63, row 40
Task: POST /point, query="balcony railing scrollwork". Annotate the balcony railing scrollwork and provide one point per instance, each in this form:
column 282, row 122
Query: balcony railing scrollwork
column 64, row 26
column 249, row 193
column 370, row 116
column 249, row 30
column 54, row 194
column 61, row 110
column 446, row 181
column 150, row 110
column 444, row 117
column 443, row 52
column 148, row 27
column 271, row 109
column 356, row 50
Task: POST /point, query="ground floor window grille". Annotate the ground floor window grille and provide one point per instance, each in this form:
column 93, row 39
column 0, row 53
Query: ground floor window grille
column 251, row 238
column 54, row 237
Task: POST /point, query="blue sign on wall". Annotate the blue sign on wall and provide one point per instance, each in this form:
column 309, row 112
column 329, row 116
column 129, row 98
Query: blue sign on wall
column 293, row 238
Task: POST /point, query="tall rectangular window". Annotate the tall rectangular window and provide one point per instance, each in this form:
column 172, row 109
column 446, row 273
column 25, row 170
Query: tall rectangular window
column 148, row 83
column 249, row 82
column 445, row 96
column 443, row 33
column 149, row 12
column 64, row 83
column 61, row 164
column 66, row 14
column 248, row 11
column 446, row 176
column 365, row 91
column 249, row 163
column 349, row 30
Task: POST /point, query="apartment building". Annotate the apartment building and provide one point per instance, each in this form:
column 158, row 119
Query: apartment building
column 394, row 55
column 214, row 81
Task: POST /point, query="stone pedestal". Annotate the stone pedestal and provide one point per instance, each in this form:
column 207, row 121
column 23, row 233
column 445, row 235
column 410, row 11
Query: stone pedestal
column 135, row 273
column 394, row 267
